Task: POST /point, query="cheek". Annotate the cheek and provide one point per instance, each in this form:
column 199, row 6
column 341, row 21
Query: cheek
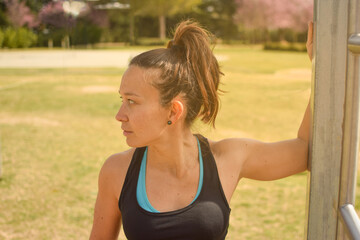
column 147, row 129
column 151, row 120
column 147, row 124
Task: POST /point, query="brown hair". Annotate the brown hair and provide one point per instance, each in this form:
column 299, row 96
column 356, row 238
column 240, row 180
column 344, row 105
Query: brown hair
column 188, row 67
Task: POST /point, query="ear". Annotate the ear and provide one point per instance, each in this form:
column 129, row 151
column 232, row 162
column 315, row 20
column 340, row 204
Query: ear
column 177, row 110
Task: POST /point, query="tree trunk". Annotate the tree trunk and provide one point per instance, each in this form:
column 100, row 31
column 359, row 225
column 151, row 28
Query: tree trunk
column 65, row 42
column 50, row 43
column 0, row 163
column 162, row 27
column 132, row 29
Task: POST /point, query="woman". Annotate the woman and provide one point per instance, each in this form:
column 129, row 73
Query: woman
column 173, row 184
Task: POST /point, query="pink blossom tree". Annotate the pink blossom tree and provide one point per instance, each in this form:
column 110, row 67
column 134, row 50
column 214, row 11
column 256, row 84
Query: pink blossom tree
column 98, row 17
column 274, row 14
column 293, row 14
column 76, row 22
column 53, row 15
column 19, row 14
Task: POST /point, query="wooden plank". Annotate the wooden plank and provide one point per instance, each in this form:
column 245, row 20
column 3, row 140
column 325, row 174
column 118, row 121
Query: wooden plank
column 0, row 161
column 328, row 97
column 351, row 120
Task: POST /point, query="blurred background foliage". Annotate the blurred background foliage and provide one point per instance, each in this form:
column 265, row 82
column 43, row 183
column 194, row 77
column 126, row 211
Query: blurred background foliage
column 277, row 24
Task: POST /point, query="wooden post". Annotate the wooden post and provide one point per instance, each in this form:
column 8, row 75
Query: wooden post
column 327, row 104
column 351, row 118
column 335, row 107
column 0, row 161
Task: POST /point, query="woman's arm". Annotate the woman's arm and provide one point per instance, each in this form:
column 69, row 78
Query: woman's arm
column 258, row 160
column 107, row 216
column 269, row 161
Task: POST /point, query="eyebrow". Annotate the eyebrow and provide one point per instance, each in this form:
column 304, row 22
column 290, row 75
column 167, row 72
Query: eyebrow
column 129, row 94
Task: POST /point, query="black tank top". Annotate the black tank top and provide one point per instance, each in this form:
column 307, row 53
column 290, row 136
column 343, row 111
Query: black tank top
column 206, row 218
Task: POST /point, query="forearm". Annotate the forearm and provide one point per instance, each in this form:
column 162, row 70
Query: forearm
column 304, row 130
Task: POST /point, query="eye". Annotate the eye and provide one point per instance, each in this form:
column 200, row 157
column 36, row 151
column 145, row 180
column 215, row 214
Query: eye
column 130, row 101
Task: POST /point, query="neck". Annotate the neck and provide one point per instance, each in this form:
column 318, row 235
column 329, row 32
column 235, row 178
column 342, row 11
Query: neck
column 175, row 153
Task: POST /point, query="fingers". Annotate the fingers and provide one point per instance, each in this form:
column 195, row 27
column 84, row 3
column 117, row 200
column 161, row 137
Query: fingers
column 310, row 33
column 309, row 42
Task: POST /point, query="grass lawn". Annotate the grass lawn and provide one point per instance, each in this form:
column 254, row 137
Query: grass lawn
column 57, row 128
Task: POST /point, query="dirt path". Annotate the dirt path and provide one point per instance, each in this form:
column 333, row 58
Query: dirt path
column 65, row 58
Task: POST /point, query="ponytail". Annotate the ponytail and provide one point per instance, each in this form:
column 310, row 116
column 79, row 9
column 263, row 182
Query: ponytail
column 190, row 68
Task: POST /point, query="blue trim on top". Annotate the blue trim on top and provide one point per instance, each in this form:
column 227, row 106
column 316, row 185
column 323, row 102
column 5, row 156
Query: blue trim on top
column 141, row 195
column 201, row 177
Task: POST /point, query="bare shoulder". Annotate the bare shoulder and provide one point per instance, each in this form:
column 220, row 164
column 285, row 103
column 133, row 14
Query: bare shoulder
column 261, row 160
column 114, row 169
column 118, row 161
column 107, row 215
column 231, row 149
column 233, row 153
column 230, row 156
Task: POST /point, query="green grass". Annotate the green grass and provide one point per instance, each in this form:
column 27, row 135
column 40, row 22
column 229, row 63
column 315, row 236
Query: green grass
column 57, row 130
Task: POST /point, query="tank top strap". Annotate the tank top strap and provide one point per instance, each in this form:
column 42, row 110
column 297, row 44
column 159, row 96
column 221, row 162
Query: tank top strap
column 211, row 174
column 132, row 173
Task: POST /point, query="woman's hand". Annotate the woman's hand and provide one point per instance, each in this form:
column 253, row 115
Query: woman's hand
column 309, row 42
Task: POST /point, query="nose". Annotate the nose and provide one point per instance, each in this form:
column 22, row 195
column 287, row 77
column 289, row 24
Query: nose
column 121, row 116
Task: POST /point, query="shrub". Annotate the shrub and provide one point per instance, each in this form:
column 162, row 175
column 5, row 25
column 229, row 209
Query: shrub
column 18, row 38
column 147, row 41
column 1, row 38
column 25, row 38
column 10, row 38
column 285, row 46
column 54, row 34
column 85, row 33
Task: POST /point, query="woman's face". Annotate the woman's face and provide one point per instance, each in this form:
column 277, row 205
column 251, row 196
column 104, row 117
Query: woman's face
column 141, row 114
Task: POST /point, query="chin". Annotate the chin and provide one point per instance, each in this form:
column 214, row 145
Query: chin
column 133, row 143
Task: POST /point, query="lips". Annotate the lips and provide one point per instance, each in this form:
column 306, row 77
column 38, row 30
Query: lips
column 126, row 132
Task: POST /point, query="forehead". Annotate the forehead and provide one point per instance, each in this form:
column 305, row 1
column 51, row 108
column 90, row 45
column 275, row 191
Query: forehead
column 138, row 80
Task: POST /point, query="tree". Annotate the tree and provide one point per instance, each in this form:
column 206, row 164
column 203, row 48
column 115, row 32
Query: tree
column 3, row 19
column 56, row 22
column 165, row 8
column 274, row 14
column 53, row 15
column 89, row 26
column 136, row 8
column 218, row 17
column 79, row 22
column 97, row 17
column 265, row 17
column 36, row 6
column 19, row 14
